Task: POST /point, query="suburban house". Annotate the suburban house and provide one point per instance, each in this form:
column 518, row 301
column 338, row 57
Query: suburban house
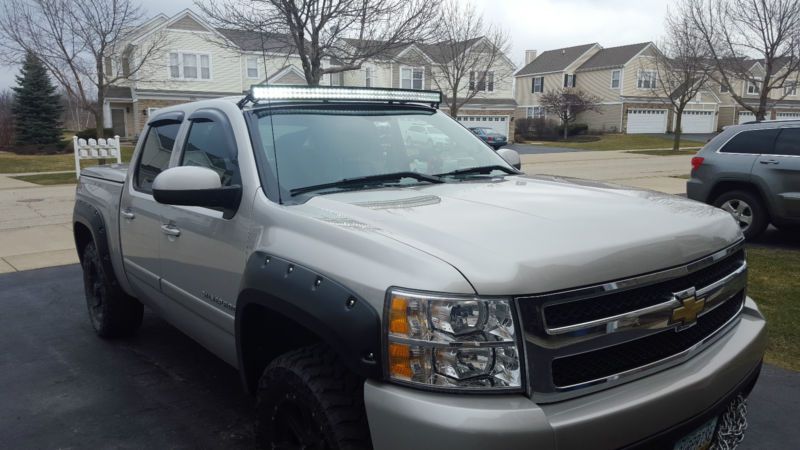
column 197, row 61
column 785, row 104
column 624, row 79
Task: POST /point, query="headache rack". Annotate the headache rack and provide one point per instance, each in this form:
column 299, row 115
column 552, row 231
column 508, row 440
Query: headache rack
column 592, row 338
column 270, row 93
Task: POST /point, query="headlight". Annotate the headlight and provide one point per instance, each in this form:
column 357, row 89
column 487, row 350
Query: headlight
column 452, row 341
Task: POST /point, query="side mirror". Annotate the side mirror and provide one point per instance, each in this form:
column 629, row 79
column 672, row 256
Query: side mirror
column 511, row 157
column 195, row 186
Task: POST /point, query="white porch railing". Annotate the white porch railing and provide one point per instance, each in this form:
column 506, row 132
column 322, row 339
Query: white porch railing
column 95, row 149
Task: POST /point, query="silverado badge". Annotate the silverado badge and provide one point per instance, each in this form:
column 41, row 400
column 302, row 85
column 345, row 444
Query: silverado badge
column 690, row 307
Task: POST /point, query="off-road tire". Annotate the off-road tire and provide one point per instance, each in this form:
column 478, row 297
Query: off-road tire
column 760, row 217
column 112, row 312
column 311, row 388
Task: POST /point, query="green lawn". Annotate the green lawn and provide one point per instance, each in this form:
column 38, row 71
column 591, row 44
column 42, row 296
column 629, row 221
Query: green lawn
column 49, row 178
column 664, row 152
column 620, row 142
column 775, row 286
column 11, row 163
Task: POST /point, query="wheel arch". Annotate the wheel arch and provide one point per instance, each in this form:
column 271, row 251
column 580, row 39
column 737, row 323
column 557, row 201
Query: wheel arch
column 724, row 186
column 89, row 226
column 283, row 306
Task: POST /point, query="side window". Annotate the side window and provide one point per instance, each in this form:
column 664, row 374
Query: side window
column 753, row 142
column 206, row 146
column 788, row 142
column 156, row 151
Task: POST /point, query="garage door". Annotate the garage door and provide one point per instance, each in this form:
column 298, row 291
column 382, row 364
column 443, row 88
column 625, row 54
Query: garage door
column 746, row 117
column 647, row 121
column 788, row 115
column 697, row 122
column 497, row 123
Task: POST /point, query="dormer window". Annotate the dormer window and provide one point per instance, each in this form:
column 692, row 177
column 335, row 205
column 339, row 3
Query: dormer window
column 753, row 88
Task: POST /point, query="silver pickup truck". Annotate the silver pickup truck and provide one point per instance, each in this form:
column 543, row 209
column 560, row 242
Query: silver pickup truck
column 377, row 292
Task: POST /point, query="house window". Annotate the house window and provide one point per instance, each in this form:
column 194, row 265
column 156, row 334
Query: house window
column 615, row 78
column 189, row 66
column 336, row 79
column 481, row 81
column 790, row 89
column 753, row 88
column 252, row 67
column 538, row 85
column 646, row 79
column 533, row 112
column 412, row 77
column 569, row 80
column 368, row 77
column 723, row 89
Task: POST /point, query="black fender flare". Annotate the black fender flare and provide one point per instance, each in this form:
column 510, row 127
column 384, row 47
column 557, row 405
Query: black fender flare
column 339, row 317
column 90, row 217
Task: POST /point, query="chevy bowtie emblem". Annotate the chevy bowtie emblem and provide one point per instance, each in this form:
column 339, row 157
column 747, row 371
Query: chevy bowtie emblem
column 691, row 306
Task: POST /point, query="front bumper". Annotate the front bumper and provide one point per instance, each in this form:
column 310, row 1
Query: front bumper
column 655, row 407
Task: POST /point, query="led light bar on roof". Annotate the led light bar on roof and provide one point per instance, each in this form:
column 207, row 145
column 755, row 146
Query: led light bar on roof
column 343, row 93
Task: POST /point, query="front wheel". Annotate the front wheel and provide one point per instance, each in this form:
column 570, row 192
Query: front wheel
column 113, row 313
column 308, row 399
column 746, row 209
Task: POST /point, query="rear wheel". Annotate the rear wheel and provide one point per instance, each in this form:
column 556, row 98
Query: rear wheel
column 746, row 209
column 113, row 313
column 308, row 399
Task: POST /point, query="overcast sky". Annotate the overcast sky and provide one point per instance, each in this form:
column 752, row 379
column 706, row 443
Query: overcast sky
column 532, row 24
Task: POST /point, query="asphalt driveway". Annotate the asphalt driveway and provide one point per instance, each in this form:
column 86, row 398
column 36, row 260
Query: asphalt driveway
column 62, row 387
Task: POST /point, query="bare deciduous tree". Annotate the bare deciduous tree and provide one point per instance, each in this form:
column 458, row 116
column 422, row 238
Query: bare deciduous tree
column 76, row 40
column 681, row 67
column 567, row 103
column 467, row 54
column 345, row 32
column 6, row 118
column 740, row 33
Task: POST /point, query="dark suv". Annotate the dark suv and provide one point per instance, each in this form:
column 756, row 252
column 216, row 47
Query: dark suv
column 753, row 172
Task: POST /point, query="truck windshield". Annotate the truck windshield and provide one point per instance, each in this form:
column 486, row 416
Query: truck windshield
column 320, row 145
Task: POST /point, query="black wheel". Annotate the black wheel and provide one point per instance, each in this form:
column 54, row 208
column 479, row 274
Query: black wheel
column 113, row 312
column 746, row 209
column 308, row 400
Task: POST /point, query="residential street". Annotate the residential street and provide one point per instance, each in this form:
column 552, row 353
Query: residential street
column 62, row 387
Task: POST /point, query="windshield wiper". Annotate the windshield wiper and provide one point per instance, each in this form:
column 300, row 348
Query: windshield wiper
column 367, row 180
column 480, row 170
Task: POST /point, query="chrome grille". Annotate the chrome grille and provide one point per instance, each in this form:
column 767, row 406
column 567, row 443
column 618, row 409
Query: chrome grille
column 591, row 338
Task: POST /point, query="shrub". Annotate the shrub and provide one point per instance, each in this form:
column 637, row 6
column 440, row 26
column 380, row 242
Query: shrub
column 91, row 133
column 64, row 146
column 577, row 128
column 536, row 128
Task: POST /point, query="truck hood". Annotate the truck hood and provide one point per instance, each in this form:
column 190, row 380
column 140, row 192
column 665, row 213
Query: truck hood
column 527, row 234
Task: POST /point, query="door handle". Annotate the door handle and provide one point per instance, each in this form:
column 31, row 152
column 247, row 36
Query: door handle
column 769, row 161
column 170, row 230
column 128, row 214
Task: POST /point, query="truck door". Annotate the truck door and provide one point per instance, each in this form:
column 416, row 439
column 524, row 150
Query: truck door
column 140, row 214
column 202, row 249
column 778, row 174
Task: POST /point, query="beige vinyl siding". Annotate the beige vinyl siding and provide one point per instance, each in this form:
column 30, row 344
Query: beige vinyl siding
column 608, row 118
column 503, row 82
column 598, row 83
column 727, row 116
column 275, row 63
column 226, row 72
column 381, row 75
column 525, row 97
column 582, row 59
column 187, row 23
column 630, row 77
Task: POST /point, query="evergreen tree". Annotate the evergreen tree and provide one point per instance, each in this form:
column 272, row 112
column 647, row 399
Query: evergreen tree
column 36, row 107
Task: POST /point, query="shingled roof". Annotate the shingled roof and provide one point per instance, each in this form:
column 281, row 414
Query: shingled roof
column 555, row 60
column 613, row 56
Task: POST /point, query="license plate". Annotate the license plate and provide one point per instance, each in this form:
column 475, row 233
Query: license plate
column 699, row 439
